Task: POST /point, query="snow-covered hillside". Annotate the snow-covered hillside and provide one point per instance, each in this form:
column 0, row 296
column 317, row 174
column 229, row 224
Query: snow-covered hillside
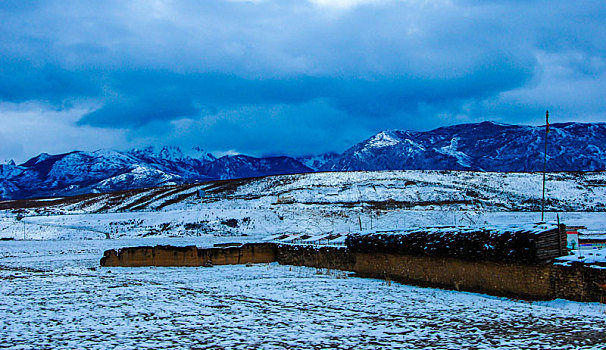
column 314, row 203
column 483, row 146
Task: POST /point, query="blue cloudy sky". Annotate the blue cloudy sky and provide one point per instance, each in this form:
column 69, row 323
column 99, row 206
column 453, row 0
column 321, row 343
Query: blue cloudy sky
column 288, row 77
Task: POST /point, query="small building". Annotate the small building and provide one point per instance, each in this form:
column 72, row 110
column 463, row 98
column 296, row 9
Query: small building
column 285, row 200
column 301, row 238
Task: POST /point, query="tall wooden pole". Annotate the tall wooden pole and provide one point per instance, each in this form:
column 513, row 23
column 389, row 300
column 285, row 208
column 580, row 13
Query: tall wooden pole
column 544, row 164
column 559, row 234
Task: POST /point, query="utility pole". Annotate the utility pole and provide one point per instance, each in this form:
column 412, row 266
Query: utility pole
column 544, row 164
column 370, row 219
column 559, row 234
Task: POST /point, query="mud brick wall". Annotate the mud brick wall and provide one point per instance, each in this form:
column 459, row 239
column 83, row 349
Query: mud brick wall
column 189, row 256
column 525, row 281
column 257, row 253
column 511, row 280
column 324, row 257
column 151, row 256
column 579, row 282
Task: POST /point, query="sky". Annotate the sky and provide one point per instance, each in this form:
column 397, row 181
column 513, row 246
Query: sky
column 273, row 77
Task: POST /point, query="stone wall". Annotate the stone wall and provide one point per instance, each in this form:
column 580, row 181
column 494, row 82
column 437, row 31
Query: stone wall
column 525, row 281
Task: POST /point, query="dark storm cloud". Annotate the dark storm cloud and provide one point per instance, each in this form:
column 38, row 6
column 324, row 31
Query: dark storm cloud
column 21, row 81
column 166, row 96
column 216, row 72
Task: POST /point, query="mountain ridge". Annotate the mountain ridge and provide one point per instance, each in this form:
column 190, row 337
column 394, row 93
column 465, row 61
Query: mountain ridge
column 486, row 146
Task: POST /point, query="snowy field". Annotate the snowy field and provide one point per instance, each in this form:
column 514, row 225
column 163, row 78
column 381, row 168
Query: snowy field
column 54, row 295
column 264, row 222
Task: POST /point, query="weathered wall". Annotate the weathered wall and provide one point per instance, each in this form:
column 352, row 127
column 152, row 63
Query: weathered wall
column 512, row 280
column 547, row 281
column 189, row 256
column 579, row 282
column 324, row 257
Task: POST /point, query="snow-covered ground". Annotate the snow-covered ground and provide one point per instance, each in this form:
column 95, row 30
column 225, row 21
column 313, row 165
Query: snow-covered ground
column 54, row 295
column 595, row 257
column 263, row 222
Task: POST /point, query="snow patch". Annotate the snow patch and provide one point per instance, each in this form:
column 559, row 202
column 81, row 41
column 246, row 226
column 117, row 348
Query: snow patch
column 451, row 150
column 383, row 139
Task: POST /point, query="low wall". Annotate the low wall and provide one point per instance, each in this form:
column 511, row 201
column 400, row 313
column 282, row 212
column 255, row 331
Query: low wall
column 189, row 256
column 546, row 281
column 323, row 257
column 511, row 280
column 579, row 282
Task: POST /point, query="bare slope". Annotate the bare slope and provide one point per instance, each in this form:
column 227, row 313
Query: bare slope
column 377, row 189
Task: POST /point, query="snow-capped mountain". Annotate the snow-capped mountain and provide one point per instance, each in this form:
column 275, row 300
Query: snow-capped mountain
column 99, row 171
column 172, row 160
column 233, row 167
column 483, row 146
column 315, row 162
column 107, row 170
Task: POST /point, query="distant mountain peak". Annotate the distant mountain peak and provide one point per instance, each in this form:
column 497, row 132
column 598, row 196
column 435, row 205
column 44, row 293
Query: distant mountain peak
column 490, row 122
column 486, row 146
column 41, row 157
column 384, row 139
column 107, row 170
column 200, row 154
column 171, row 153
